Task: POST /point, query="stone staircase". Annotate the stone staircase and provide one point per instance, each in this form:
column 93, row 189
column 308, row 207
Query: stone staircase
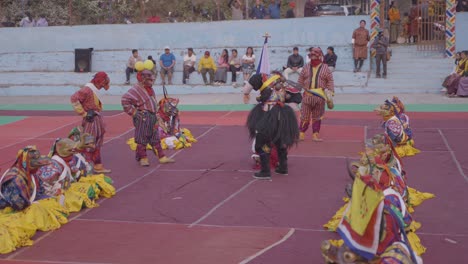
column 410, row 71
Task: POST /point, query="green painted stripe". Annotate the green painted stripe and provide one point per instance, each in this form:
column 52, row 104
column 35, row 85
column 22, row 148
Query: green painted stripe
column 10, row 119
column 246, row 107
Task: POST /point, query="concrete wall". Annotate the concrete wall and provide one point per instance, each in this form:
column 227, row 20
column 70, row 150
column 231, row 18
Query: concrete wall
column 52, row 49
column 461, row 29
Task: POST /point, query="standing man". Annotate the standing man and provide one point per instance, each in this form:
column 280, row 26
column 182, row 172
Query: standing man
column 380, row 45
column 131, row 64
column 167, row 62
column 394, row 17
column 274, row 9
column 88, row 104
column 317, row 82
column 258, row 10
column 360, row 40
column 189, row 64
column 141, row 104
column 295, row 63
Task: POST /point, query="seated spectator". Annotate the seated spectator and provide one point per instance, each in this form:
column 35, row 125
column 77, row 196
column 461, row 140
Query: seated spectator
column 42, row 22
column 236, row 9
column 462, row 90
column 223, row 67
column 155, row 69
column 258, row 10
column 167, row 62
column 189, row 65
column 131, row 65
column 295, row 63
column 248, row 63
column 290, row 12
column 452, row 81
column 274, row 9
column 234, row 66
column 207, row 65
column 27, row 21
column 330, row 59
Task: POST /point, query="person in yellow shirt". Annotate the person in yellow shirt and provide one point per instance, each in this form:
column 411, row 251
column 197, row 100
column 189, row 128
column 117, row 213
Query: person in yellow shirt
column 207, row 65
column 394, row 17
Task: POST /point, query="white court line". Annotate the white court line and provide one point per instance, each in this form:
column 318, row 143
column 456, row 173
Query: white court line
column 45, row 133
column 109, row 140
column 19, row 251
column 222, row 203
column 205, row 170
column 225, row 115
column 365, row 134
column 247, row 227
column 286, row 237
column 452, row 153
column 52, row 261
column 320, row 157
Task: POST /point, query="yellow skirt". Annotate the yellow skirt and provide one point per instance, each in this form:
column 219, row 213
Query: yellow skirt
column 176, row 143
column 332, row 225
column 15, row 231
column 407, row 149
column 46, row 214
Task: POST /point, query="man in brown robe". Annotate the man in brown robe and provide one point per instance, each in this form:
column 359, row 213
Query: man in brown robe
column 360, row 40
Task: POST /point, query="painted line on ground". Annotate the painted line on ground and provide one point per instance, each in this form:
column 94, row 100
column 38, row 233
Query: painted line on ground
column 452, row 153
column 55, row 262
column 243, row 226
column 205, row 170
column 320, row 157
column 365, row 134
column 45, row 133
column 261, row 252
column 222, row 203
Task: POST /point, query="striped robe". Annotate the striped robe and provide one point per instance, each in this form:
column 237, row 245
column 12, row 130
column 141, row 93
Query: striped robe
column 83, row 101
column 313, row 106
column 142, row 107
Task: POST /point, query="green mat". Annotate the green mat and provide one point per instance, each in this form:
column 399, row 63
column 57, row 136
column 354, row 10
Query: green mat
column 10, row 119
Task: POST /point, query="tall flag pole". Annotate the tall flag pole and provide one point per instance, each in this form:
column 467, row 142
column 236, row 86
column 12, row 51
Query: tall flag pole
column 264, row 65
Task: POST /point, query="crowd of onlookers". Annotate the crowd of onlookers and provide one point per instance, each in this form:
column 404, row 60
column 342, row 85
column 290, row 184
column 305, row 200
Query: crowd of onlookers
column 27, row 21
column 456, row 83
column 214, row 71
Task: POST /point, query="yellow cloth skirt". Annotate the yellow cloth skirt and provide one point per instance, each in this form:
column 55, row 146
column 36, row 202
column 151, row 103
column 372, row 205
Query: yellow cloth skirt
column 332, row 225
column 15, row 231
column 407, row 149
column 177, row 143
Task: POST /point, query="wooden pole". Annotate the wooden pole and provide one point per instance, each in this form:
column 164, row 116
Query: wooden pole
column 70, row 12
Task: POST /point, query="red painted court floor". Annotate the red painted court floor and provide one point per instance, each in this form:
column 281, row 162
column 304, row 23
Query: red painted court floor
column 206, row 208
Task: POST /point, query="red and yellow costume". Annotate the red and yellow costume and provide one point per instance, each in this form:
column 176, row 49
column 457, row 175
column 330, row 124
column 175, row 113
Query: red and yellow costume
column 87, row 103
column 317, row 81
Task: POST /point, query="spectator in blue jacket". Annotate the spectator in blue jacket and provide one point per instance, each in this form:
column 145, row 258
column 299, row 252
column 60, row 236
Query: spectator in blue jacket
column 258, row 11
column 274, row 9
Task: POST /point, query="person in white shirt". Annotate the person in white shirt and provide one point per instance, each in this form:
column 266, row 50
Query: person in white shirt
column 189, row 64
column 131, row 65
column 248, row 63
column 27, row 21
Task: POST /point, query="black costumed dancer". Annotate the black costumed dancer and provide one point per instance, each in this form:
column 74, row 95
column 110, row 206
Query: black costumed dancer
column 272, row 123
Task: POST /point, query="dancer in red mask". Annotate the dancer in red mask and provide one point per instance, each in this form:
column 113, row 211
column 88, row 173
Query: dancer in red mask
column 141, row 104
column 317, row 81
column 88, row 104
